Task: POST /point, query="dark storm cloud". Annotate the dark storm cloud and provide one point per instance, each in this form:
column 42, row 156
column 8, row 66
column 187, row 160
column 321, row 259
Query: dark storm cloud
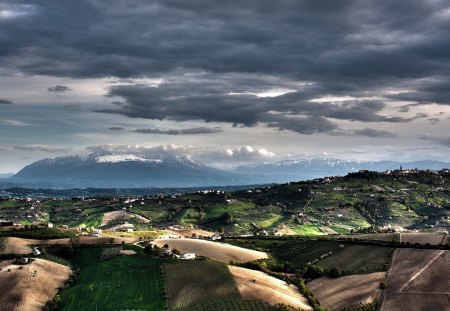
column 58, row 89
column 5, row 102
column 191, row 131
column 341, row 48
column 374, row 133
column 213, row 101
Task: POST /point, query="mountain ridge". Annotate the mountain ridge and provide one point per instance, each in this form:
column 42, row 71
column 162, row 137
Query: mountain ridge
column 140, row 170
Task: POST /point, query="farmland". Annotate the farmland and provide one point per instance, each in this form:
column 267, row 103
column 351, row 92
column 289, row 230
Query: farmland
column 418, row 280
column 230, row 304
column 188, row 283
column 359, row 259
column 354, row 203
column 347, row 291
column 217, row 251
column 126, row 282
column 423, row 238
column 302, row 251
column 256, row 285
column 30, row 286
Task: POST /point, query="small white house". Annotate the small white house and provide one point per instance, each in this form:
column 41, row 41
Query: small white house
column 36, row 251
column 50, row 225
column 188, row 256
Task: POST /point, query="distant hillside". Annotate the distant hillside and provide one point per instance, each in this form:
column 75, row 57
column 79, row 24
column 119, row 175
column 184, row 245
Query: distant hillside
column 291, row 170
column 110, row 170
column 6, row 175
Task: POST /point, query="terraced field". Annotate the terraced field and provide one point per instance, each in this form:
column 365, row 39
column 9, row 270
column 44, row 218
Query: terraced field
column 193, row 282
column 418, row 280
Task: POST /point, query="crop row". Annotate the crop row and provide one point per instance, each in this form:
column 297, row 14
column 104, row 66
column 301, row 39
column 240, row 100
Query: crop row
column 304, row 251
column 231, row 304
column 193, row 282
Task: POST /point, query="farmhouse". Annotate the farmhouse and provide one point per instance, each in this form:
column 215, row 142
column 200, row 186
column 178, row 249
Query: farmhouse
column 216, row 237
column 187, row 256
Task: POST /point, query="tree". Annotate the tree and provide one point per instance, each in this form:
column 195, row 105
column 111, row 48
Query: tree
column 227, row 218
column 335, row 272
column 314, row 271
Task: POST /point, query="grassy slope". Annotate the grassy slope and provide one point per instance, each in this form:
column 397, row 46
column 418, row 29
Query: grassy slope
column 141, row 285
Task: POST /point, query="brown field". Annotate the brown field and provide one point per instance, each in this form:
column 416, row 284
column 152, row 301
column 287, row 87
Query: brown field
column 423, row 238
column 23, row 291
column 346, row 291
column 18, row 246
column 121, row 215
column 11, row 228
column 418, row 280
column 189, row 232
column 216, row 251
column 375, row 236
column 446, row 240
column 267, row 288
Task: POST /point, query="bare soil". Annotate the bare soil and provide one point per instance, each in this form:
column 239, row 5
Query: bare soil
column 256, row 285
column 28, row 288
column 216, row 251
column 346, row 291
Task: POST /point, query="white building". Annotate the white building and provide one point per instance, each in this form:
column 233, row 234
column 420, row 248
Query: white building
column 188, row 256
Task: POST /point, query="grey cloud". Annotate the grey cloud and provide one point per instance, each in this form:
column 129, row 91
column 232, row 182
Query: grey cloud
column 191, row 131
column 374, row 133
column 115, row 128
column 42, row 148
column 348, row 46
column 206, row 98
column 434, row 120
column 445, row 141
column 206, row 50
column 58, row 89
column 5, row 102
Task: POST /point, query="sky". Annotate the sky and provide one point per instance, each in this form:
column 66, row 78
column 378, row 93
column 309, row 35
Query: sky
column 225, row 82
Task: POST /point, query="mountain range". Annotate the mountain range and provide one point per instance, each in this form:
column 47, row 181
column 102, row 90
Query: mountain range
column 103, row 170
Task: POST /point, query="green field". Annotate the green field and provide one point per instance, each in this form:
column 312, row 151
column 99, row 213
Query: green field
column 122, row 283
column 309, row 230
column 192, row 282
column 359, row 259
column 217, row 210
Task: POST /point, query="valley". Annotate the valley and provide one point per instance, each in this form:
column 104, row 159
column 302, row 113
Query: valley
column 332, row 243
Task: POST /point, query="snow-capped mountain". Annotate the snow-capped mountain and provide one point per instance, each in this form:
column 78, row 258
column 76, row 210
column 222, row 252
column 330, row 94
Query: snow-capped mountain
column 141, row 170
column 109, row 170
